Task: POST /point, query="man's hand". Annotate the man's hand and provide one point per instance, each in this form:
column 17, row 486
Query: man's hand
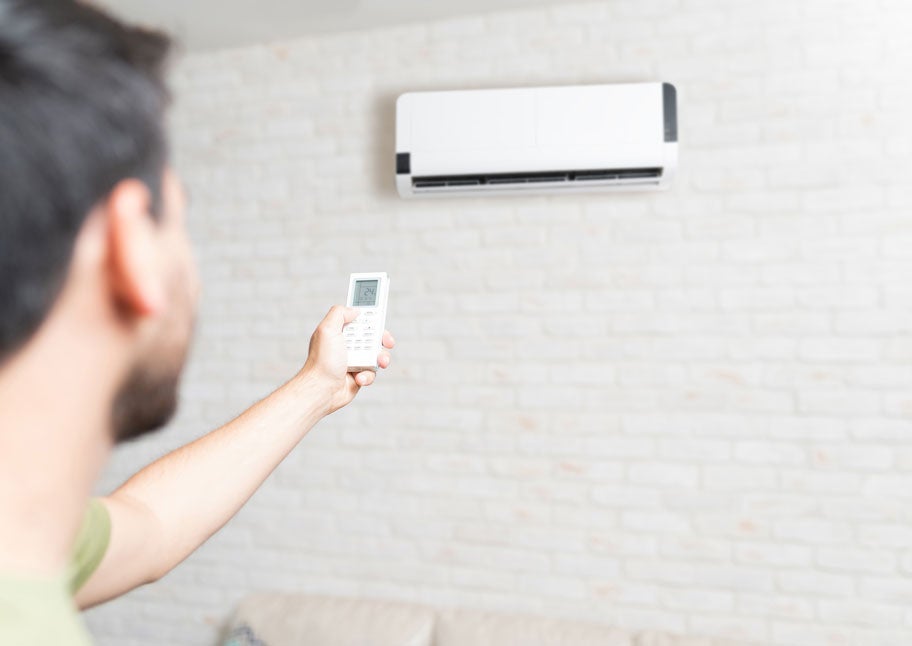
column 327, row 361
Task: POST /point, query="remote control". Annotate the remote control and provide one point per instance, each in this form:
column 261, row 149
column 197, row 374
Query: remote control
column 363, row 336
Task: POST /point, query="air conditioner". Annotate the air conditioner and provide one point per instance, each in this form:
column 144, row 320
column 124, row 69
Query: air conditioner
column 536, row 140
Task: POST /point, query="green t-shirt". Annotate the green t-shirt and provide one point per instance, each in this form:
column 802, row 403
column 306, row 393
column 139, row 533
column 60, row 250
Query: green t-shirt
column 42, row 612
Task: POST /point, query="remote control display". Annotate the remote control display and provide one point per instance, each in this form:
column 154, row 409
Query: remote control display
column 366, row 293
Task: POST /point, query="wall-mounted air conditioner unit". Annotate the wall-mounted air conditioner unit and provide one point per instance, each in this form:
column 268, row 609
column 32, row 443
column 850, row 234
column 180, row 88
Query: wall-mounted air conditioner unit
column 541, row 140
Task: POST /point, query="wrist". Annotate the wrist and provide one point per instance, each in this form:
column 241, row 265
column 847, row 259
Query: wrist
column 309, row 386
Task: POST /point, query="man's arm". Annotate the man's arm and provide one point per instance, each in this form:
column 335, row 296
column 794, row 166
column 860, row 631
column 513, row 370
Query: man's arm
column 167, row 510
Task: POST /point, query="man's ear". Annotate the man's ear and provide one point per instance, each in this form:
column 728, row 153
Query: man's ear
column 134, row 253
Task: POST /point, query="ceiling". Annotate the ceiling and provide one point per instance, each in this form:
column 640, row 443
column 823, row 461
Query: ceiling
column 217, row 24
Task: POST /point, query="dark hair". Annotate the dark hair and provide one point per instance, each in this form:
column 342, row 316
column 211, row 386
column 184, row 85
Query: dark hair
column 82, row 101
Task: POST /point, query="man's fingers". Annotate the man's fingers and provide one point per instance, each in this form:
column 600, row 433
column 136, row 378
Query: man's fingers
column 338, row 317
column 384, row 359
column 364, row 378
column 349, row 314
column 388, row 341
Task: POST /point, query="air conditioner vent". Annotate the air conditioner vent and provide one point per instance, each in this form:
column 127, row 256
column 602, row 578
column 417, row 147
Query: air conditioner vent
column 518, row 180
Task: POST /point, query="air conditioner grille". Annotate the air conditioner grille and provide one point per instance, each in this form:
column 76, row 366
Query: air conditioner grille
column 518, row 180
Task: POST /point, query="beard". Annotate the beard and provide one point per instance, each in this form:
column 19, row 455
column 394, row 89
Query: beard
column 148, row 397
column 146, row 402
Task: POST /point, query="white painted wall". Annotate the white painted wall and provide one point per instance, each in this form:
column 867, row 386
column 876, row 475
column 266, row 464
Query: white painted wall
column 688, row 411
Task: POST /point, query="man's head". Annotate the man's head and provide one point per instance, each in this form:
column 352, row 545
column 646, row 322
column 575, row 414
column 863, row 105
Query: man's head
column 82, row 146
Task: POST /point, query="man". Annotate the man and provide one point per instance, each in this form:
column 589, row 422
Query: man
column 97, row 293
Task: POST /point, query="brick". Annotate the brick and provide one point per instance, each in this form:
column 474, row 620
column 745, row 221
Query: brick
column 839, row 403
column 655, row 522
column 778, row 554
column 885, row 535
column 817, row 531
column 811, row 633
column 889, row 485
column 811, row 582
column 840, row 350
column 859, row 457
column 769, row 453
column 780, row 606
column 663, row 474
column 854, row 560
column 896, row 590
column 857, row 611
column 738, row 477
column 746, row 629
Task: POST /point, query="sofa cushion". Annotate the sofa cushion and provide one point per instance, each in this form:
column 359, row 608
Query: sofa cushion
column 276, row 619
column 464, row 627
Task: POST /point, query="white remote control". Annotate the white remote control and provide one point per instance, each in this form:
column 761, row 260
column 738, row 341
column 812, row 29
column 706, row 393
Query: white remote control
column 363, row 336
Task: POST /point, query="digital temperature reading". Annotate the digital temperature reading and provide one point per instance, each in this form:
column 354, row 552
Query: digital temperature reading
column 365, row 293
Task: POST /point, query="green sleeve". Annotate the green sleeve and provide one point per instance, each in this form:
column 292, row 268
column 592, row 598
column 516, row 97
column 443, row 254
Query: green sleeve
column 91, row 544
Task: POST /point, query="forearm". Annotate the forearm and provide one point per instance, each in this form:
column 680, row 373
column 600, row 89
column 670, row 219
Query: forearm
column 193, row 491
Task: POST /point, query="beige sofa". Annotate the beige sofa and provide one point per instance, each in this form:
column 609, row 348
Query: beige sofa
column 276, row 619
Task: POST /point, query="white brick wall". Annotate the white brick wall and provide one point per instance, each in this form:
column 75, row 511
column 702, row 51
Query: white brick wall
column 689, row 411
